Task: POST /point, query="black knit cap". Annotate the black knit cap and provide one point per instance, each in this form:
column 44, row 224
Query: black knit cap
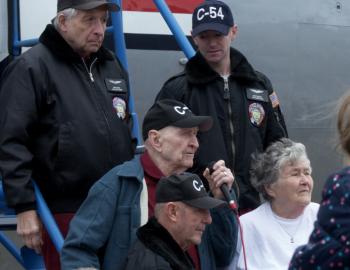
column 85, row 4
column 169, row 112
column 187, row 188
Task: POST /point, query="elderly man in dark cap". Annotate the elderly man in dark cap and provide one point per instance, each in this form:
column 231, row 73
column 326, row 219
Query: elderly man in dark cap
column 125, row 197
column 58, row 121
column 180, row 218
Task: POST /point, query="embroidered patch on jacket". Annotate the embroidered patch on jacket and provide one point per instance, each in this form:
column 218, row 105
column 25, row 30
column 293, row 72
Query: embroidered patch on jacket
column 256, row 113
column 120, row 107
column 116, row 85
column 257, row 94
column 274, row 100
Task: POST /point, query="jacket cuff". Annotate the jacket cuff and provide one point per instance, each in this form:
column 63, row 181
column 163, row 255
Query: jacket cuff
column 25, row 207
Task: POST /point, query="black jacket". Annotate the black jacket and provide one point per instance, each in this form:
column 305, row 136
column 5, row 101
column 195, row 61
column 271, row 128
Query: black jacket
column 58, row 125
column 245, row 101
column 156, row 249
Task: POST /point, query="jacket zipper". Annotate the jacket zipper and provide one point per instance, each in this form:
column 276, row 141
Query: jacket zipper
column 229, row 109
column 227, row 97
column 89, row 71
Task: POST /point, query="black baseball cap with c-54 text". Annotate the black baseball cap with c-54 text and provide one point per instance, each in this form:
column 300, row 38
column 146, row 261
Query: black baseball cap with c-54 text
column 187, row 188
column 212, row 15
column 169, row 112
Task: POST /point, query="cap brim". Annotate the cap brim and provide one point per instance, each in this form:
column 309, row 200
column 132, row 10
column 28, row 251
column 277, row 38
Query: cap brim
column 221, row 28
column 204, row 123
column 205, row 202
column 95, row 4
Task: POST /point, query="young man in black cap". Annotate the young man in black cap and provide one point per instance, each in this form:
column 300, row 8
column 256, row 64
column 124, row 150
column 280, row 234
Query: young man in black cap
column 220, row 82
column 180, row 218
column 57, row 120
column 125, row 197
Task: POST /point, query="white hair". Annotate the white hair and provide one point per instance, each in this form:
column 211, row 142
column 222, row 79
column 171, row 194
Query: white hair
column 67, row 13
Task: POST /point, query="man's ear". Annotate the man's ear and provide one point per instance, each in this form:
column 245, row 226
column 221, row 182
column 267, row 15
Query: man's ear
column 62, row 22
column 154, row 139
column 233, row 32
column 172, row 211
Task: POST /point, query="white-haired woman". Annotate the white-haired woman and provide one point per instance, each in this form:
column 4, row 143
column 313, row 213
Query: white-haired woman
column 285, row 220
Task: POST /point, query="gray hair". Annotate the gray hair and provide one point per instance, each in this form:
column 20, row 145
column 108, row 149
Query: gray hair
column 67, row 13
column 266, row 167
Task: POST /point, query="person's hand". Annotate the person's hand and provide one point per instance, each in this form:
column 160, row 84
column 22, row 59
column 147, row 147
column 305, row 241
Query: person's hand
column 221, row 174
column 29, row 227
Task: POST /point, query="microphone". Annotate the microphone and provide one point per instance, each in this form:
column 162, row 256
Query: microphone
column 224, row 189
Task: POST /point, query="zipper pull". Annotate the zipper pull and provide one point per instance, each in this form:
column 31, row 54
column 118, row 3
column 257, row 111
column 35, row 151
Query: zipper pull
column 226, row 89
column 89, row 71
column 91, row 77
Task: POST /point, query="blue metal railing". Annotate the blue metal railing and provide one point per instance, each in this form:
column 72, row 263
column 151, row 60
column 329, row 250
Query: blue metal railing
column 48, row 220
column 174, row 27
column 120, row 49
column 45, row 216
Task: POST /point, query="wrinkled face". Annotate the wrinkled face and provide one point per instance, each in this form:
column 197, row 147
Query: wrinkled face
column 294, row 187
column 214, row 46
column 178, row 146
column 191, row 224
column 85, row 31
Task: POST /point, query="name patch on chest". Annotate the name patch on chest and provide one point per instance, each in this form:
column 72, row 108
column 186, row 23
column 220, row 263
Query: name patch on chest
column 257, row 94
column 116, row 85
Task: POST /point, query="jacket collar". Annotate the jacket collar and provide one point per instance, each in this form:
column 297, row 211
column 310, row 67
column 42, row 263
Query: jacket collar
column 156, row 238
column 131, row 168
column 52, row 39
column 198, row 71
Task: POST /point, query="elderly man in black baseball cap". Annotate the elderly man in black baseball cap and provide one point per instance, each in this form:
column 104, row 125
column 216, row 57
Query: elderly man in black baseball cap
column 181, row 215
column 125, row 197
column 61, row 121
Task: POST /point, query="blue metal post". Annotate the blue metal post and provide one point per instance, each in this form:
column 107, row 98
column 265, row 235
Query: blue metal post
column 118, row 35
column 120, row 50
column 48, row 220
column 15, row 30
column 179, row 35
column 25, row 43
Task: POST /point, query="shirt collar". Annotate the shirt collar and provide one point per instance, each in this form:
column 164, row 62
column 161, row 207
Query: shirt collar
column 149, row 167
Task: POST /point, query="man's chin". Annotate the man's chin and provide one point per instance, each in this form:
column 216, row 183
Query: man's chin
column 94, row 48
column 197, row 240
column 189, row 164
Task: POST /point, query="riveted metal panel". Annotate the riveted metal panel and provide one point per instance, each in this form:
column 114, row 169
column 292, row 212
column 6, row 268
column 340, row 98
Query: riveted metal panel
column 325, row 12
